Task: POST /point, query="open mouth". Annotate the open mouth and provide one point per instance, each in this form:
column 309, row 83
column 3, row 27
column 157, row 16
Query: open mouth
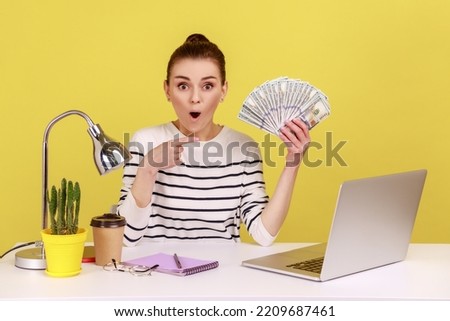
column 194, row 114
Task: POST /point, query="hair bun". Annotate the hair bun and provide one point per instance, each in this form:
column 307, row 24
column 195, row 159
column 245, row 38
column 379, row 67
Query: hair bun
column 196, row 37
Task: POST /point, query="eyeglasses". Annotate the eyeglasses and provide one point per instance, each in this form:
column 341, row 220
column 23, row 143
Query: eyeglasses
column 136, row 270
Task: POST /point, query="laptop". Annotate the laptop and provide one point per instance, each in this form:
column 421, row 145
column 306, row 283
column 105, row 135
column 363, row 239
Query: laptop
column 372, row 226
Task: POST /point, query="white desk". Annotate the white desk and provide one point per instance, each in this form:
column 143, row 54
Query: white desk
column 425, row 274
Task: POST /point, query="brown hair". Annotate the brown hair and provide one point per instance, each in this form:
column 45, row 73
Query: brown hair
column 197, row 46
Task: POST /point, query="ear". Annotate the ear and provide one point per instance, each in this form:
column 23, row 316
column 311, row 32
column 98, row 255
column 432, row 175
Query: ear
column 224, row 90
column 166, row 89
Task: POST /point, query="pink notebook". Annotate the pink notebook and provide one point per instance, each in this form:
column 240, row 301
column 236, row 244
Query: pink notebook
column 166, row 264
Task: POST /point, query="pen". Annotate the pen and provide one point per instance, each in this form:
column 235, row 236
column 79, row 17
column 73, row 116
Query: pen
column 177, row 261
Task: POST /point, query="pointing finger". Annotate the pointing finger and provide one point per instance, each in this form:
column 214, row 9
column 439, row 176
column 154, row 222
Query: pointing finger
column 183, row 140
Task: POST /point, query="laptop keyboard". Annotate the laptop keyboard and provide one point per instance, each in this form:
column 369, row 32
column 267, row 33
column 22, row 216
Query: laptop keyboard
column 313, row 265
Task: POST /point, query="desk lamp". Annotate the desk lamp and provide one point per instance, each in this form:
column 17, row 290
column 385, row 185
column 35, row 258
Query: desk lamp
column 108, row 155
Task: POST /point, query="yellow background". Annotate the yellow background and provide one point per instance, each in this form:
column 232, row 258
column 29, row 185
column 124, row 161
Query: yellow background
column 383, row 64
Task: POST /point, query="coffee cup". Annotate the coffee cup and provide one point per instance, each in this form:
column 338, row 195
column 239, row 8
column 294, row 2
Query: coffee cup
column 108, row 237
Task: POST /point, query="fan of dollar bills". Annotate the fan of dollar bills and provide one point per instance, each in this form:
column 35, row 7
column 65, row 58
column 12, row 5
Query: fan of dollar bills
column 273, row 103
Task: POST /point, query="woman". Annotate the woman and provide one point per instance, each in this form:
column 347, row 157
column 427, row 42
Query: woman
column 193, row 179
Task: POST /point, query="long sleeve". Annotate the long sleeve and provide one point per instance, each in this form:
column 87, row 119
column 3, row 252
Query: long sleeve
column 137, row 218
column 254, row 196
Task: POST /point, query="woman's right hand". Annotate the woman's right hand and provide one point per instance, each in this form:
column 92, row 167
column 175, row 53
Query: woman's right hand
column 166, row 155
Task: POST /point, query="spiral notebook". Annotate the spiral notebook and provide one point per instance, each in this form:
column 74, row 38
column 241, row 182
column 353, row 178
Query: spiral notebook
column 167, row 264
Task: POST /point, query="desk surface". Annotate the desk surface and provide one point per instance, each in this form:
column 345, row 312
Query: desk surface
column 425, row 274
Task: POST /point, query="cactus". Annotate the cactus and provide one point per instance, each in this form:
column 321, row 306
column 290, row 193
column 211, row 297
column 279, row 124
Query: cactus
column 64, row 207
column 52, row 207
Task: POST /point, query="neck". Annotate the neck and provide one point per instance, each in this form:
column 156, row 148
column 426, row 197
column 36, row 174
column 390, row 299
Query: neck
column 205, row 134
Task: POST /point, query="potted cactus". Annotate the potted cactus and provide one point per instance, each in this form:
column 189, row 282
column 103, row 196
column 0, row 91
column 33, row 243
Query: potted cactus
column 64, row 207
column 64, row 240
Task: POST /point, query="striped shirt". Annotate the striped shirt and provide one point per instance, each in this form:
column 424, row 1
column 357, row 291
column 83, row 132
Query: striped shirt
column 218, row 186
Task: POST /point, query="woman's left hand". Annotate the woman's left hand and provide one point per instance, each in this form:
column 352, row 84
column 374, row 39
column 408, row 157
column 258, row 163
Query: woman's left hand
column 295, row 135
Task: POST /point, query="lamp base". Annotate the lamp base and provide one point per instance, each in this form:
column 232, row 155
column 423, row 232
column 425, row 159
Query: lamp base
column 34, row 259
column 31, row 259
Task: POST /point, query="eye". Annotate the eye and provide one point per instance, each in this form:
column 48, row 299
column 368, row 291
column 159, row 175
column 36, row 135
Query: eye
column 182, row 86
column 208, row 86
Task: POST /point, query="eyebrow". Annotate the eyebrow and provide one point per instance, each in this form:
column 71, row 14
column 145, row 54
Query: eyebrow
column 187, row 78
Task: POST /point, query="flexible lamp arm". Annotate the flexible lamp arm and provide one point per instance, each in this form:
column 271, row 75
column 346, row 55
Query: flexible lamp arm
column 108, row 154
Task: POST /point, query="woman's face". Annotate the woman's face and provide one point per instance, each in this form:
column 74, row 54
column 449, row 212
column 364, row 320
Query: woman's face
column 195, row 90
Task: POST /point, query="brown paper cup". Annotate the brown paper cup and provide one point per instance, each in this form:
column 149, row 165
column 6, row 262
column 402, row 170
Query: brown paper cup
column 108, row 237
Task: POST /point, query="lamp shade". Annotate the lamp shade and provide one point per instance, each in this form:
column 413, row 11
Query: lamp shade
column 108, row 153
